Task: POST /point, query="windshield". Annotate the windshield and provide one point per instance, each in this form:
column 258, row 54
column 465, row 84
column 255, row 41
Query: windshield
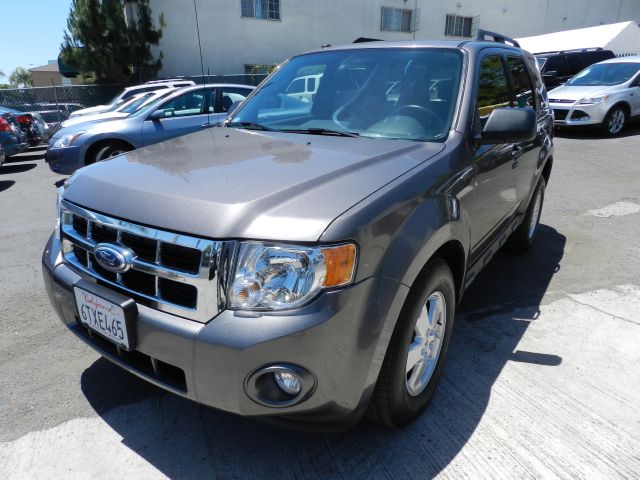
column 604, row 74
column 134, row 105
column 399, row 93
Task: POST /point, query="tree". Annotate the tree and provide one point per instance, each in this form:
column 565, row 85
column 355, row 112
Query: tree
column 109, row 41
column 21, row 77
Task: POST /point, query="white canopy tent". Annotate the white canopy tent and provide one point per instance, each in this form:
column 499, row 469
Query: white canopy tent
column 622, row 38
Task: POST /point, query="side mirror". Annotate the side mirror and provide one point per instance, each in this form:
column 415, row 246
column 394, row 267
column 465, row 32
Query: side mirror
column 233, row 107
column 157, row 115
column 509, row 125
column 550, row 74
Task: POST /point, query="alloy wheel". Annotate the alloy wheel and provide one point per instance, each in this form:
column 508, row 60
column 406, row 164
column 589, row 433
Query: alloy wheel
column 616, row 121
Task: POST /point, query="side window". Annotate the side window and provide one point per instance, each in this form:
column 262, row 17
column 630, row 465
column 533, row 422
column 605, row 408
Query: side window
column 574, row 63
column 187, row 104
column 231, row 95
column 523, row 95
column 297, row 86
column 493, row 90
column 555, row 64
column 311, row 84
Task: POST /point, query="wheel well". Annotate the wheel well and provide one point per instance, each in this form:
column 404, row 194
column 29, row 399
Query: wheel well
column 453, row 253
column 546, row 173
column 93, row 149
column 624, row 105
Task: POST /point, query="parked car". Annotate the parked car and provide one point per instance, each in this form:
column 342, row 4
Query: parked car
column 558, row 67
column 308, row 267
column 606, row 94
column 127, row 93
column 303, row 88
column 184, row 111
column 12, row 137
column 123, row 110
column 32, row 124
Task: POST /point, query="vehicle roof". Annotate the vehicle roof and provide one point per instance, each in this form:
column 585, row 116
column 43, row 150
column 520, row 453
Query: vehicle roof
column 458, row 44
column 632, row 59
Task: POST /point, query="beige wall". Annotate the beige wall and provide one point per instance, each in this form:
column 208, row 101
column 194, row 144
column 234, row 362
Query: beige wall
column 44, row 79
column 229, row 41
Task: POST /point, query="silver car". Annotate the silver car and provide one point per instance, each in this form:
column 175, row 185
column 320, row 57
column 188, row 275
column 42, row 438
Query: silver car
column 605, row 94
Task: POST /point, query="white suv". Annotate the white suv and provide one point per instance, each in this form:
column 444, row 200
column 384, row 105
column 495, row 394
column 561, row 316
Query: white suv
column 129, row 92
column 605, row 94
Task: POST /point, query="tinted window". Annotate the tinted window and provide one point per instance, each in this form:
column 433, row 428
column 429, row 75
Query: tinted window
column 311, row 84
column 187, row 104
column 555, row 64
column 493, row 90
column 574, row 63
column 297, row 86
column 521, row 82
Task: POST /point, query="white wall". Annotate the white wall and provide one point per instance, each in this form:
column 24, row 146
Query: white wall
column 229, row 41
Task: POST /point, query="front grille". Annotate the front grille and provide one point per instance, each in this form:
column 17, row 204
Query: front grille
column 560, row 100
column 560, row 114
column 171, row 272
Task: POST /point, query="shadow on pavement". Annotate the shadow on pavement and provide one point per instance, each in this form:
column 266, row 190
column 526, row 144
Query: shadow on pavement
column 186, row 440
column 6, row 184
column 7, row 169
column 593, row 133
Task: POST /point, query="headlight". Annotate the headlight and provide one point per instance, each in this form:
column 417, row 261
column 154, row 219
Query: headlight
column 58, row 207
column 591, row 100
column 67, row 140
column 278, row 277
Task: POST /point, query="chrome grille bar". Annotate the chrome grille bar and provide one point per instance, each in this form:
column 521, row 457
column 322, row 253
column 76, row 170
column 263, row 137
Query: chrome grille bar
column 208, row 277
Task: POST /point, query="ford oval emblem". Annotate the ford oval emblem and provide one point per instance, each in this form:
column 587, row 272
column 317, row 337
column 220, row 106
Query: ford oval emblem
column 113, row 257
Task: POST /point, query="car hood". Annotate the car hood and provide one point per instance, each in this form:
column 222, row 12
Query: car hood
column 568, row 92
column 97, row 117
column 87, row 111
column 227, row 183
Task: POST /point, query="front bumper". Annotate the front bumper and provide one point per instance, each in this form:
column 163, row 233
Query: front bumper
column 574, row 114
column 65, row 160
column 341, row 338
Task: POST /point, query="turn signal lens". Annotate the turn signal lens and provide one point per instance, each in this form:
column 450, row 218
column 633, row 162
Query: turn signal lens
column 339, row 262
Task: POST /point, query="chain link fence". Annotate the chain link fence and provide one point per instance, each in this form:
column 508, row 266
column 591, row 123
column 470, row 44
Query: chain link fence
column 253, row 79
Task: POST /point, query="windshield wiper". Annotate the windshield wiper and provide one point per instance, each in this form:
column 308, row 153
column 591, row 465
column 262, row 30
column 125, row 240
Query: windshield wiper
column 322, row 131
column 248, row 126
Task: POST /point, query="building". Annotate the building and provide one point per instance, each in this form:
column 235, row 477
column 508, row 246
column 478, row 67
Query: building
column 48, row 75
column 244, row 36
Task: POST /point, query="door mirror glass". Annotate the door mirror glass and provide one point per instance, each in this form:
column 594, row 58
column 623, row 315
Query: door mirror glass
column 509, row 125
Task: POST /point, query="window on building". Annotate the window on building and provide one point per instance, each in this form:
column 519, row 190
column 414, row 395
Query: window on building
column 458, row 26
column 396, row 20
column 261, row 9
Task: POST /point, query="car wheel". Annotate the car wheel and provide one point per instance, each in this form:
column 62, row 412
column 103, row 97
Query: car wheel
column 615, row 121
column 108, row 151
column 415, row 356
column 522, row 238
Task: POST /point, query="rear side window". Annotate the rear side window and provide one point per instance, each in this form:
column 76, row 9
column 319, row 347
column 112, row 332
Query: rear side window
column 493, row 90
column 555, row 64
column 574, row 63
column 523, row 95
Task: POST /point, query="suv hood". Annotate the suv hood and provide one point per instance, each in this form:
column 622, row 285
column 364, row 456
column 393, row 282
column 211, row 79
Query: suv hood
column 227, row 183
column 568, row 92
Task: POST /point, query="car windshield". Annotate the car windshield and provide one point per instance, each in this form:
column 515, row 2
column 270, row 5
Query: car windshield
column 398, row 93
column 605, row 74
column 134, row 105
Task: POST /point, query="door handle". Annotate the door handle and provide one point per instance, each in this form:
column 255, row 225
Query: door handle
column 516, row 152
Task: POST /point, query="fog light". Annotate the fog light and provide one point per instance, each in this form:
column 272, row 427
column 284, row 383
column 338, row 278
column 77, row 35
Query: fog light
column 288, row 382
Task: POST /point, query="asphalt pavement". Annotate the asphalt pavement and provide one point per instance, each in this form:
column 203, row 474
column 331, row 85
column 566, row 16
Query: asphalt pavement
column 542, row 378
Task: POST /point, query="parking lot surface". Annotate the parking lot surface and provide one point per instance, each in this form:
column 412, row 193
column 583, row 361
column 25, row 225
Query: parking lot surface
column 542, row 378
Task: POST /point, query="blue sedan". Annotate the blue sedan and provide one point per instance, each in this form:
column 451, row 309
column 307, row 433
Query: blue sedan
column 187, row 110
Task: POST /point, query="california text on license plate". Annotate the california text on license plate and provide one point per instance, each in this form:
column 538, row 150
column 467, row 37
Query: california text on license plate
column 102, row 316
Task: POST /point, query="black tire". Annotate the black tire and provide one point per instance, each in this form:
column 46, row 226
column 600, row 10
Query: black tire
column 107, row 151
column 523, row 237
column 615, row 121
column 392, row 404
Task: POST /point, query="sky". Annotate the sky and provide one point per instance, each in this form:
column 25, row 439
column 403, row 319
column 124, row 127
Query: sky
column 37, row 27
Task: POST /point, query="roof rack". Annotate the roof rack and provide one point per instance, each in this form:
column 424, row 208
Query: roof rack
column 496, row 37
column 366, row 39
column 591, row 49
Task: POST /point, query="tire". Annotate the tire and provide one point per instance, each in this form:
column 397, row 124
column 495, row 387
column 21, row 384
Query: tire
column 107, row 151
column 402, row 394
column 523, row 237
column 615, row 121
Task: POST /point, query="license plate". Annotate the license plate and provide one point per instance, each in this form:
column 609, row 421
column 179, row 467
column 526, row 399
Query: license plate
column 102, row 316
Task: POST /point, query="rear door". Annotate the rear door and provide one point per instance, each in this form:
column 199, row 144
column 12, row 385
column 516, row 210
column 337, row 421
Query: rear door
column 495, row 192
column 186, row 113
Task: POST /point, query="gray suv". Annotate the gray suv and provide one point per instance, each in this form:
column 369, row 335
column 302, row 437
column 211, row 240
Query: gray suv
column 304, row 260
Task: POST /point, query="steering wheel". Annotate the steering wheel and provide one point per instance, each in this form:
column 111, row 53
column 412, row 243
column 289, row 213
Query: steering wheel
column 431, row 117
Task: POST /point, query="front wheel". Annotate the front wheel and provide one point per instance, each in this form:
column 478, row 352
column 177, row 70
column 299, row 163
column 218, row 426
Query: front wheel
column 415, row 356
column 108, row 151
column 615, row 121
